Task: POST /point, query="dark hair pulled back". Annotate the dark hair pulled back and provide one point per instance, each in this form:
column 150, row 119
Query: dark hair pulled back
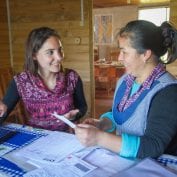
column 146, row 35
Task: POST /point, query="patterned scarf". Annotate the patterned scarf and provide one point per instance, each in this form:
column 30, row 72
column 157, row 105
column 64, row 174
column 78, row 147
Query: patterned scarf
column 126, row 100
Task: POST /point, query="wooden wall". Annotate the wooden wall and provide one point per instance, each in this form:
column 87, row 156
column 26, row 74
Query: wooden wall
column 173, row 18
column 65, row 17
column 4, row 36
column 173, row 12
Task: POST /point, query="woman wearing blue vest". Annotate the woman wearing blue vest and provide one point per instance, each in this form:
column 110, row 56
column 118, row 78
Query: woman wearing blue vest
column 144, row 110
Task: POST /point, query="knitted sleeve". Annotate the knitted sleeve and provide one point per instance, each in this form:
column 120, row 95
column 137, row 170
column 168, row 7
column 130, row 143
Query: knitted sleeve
column 11, row 97
column 79, row 100
column 161, row 123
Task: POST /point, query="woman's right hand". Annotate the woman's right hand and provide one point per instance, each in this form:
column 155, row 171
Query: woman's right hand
column 3, row 108
column 102, row 124
column 92, row 121
column 87, row 134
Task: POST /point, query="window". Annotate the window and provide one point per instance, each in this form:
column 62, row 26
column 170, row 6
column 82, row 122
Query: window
column 155, row 15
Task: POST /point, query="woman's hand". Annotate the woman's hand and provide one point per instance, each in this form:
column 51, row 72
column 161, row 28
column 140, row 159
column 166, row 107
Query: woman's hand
column 87, row 134
column 3, row 108
column 102, row 124
column 69, row 115
column 92, row 121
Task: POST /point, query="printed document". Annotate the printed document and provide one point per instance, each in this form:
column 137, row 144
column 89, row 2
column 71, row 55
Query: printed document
column 71, row 166
column 51, row 148
column 108, row 163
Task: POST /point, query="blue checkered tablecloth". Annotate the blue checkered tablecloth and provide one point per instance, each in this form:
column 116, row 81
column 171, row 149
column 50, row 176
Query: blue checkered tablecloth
column 24, row 136
column 168, row 161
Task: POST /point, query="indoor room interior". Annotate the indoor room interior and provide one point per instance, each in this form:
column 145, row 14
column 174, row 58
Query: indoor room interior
column 95, row 60
column 107, row 68
column 88, row 30
column 87, row 49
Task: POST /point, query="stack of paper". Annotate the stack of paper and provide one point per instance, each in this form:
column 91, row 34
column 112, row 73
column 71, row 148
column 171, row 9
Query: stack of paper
column 70, row 167
column 51, row 148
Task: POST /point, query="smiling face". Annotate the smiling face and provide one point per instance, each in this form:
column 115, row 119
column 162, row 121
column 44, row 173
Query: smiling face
column 130, row 58
column 50, row 55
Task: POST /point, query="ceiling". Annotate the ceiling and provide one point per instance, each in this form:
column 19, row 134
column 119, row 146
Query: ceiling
column 114, row 3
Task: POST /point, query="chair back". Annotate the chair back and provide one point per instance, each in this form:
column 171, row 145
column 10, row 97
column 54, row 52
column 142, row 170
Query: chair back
column 18, row 114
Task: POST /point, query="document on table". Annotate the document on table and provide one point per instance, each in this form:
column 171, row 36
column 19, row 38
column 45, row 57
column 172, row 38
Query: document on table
column 146, row 167
column 51, row 148
column 108, row 163
column 71, row 166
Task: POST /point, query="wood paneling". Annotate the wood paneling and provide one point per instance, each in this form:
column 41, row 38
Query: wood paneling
column 173, row 18
column 56, row 14
column 116, row 3
column 65, row 17
column 4, row 36
column 173, row 12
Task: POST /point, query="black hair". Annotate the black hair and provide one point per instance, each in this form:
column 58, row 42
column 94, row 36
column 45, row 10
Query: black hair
column 146, row 35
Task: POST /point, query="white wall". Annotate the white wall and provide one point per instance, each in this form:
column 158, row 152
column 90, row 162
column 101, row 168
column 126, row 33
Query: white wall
column 121, row 15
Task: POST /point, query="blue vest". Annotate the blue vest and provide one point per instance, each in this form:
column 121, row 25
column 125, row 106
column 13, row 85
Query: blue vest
column 133, row 119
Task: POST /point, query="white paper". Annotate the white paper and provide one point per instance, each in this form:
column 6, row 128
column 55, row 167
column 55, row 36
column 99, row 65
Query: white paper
column 51, row 148
column 146, row 167
column 64, row 119
column 108, row 163
column 70, row 167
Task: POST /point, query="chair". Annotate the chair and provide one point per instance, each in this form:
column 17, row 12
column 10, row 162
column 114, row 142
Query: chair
column 113, row 77
column 17, row 115
column 102, row 78
column 96, row 53
column 106, row 77
column 114, row 53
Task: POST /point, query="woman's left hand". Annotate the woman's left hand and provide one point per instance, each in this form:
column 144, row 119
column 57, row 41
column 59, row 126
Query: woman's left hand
column 71, row 114
column 87, row 134
column 3, row 108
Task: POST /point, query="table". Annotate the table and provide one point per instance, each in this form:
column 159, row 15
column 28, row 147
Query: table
column 106, row 163
column 106, row 76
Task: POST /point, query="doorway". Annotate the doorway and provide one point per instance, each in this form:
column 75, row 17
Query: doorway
column 107, row 68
